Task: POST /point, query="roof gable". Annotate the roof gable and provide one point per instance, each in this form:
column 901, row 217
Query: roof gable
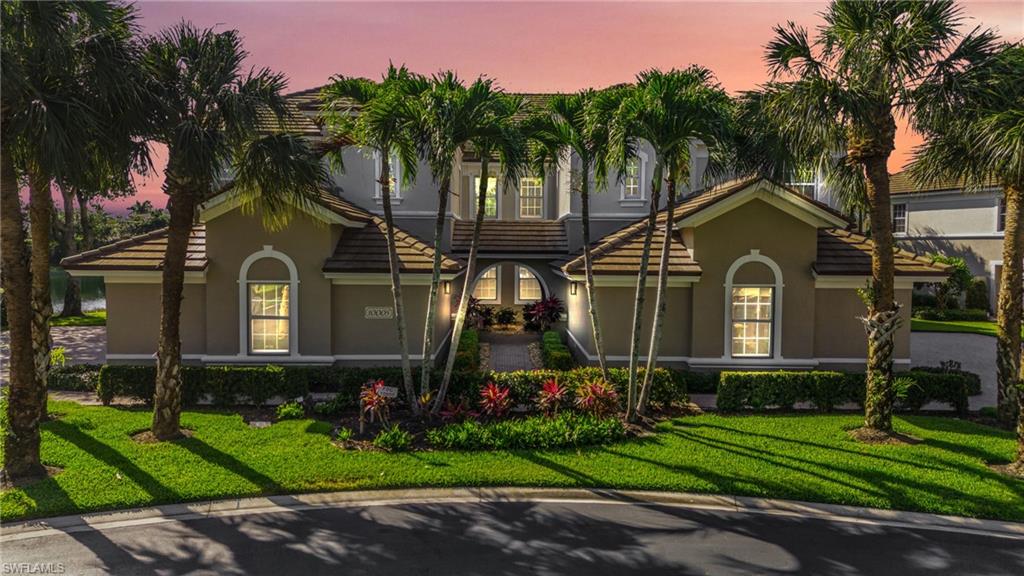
column 327, row 208
column 726, row 197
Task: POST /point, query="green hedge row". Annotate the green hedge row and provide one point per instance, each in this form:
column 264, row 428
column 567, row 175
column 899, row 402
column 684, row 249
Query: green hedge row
column 468, row 357
column 951, row 314
column 667, row 387
column 554, row 353
column 74, row 377
column 826, row 390
column 567, row 429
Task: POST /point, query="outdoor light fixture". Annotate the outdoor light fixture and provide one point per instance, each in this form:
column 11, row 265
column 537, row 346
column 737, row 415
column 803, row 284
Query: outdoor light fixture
column 447, row 287
column 572, row 288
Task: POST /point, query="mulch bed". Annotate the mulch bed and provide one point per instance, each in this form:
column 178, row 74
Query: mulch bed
column 1013, row 469
column 872, row 436
column 147, row 437
column 51, row 471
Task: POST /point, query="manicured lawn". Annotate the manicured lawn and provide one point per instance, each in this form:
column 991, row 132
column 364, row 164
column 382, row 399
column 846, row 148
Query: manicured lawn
column 981, row 327
column 95, row 318
column 803, row 457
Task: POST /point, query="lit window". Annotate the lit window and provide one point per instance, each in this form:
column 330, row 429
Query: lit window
column 531, row 198
column 899, row 218
column 1001, row 219
column 803, row 182
column 268, row 318
column 528, row 286
column 631, row 183
column 487, row 285
column 395, row 179
column 490, row 201
column 752, row 312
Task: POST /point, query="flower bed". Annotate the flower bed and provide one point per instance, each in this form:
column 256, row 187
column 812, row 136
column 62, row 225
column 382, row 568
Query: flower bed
column 567, row 429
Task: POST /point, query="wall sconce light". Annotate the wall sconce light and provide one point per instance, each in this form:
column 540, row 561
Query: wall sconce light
column 572, row 288
column 447, row 287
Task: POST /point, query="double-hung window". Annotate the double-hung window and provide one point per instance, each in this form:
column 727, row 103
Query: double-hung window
column 269, row 319
column 632, row 181
column 899, row 218
column 487, row 285
column 1001, row 216
column 527, row 286
column 531, row 198
column 752, row 316
column 491, row 199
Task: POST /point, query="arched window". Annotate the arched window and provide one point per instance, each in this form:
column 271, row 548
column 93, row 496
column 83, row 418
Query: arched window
column 486, row 288
column 268, row 308
column 753, row 309
column 528, row 287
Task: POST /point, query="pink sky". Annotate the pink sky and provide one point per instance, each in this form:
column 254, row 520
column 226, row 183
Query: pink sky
column 525, row 46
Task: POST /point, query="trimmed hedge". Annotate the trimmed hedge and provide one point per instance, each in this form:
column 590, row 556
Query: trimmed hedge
column 826, row 390
column 567, row 429
column 554, row 353
column 467, row 359
column 74, row 377
column 953, row 315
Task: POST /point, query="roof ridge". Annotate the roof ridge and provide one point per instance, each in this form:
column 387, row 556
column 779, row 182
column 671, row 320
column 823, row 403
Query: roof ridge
column 123, row 243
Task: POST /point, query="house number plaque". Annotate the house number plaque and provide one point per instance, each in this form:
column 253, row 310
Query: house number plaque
column 379, row 312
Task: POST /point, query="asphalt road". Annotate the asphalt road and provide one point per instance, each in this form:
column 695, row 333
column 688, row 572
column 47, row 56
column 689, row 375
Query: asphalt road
column 498, row 538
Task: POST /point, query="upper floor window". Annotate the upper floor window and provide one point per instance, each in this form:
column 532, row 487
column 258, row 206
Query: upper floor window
column 269, row 319
column 632, row 180
column 527, row 286
column 899, row 218
column 395, row 179
column 491, row 200
column 531, row 198
column 752, row 317
column 803, row 181
column 487, row 285
column 1001, row 216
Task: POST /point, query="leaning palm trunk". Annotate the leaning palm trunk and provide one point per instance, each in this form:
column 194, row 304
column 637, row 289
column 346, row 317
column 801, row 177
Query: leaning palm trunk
column 641, row 289
column 167, row 397
column 661, row 301
column 588, row 265
column 21, row 437
column 40, row 212
column 1008, row 340
column 435, row 281
column 396, row 283
column 467, row 285
column 73, row 292
column 883, row 318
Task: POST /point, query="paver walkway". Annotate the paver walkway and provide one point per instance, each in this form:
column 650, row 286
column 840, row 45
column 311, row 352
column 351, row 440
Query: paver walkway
column 82, row 345
column 509, row 352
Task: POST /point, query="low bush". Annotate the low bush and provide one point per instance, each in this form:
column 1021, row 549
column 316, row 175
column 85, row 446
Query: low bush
column 495, row 401
column 968, row 315
column 505, row 316
column 290, row 411
column 74, row 377
column 467, row 359
column 554, row 353
column 536, row 432
column 668, row 388
column 698, row 382
column 977, row 295
column 826, row 390
column 597, row 397
column 393, row 439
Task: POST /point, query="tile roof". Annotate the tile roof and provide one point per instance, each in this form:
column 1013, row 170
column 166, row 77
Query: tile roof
column 365, row 250
column 142, row 253
column 902, row 183
column 294, row 121
column 512, row 237
column 846, row 253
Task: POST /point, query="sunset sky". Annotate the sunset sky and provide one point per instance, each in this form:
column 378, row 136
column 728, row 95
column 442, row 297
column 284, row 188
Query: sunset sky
column 527, row 47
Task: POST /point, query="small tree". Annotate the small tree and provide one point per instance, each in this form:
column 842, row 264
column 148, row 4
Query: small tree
column 955, row 285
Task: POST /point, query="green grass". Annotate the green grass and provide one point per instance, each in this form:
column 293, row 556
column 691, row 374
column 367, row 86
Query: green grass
column 95, row 318
column 979, row 327
column 802, row 457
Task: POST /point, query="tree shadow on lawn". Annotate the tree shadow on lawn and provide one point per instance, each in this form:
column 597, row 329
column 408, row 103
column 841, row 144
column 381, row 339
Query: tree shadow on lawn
column 228, row 462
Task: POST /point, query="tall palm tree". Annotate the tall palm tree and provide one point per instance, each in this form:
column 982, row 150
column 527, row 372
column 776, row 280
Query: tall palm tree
column 208, row 114
column 971, row 115
column 380, row 116
column 498, row 135
column 69, row 81
column 843, row 91
column 564, row 128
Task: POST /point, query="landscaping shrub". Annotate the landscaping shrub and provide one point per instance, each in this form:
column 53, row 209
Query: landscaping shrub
column 540, row 315
column 290, row 411
column 554, row 353
column 74, row 377
column 698, row 382
column 976, row 296
column 536, row 432
column 467, row 359
column 505, row 316
column 597, row 397
column 393, row 439
column 495, row 401
column 551, row 397
column 826, row 390
column 667, row 388
column 967, row 315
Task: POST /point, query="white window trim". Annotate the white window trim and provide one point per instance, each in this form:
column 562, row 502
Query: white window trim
column 473, row 191
column 396, row 173
column 906, row 219
column 642, row 174
column 243, row 302
column 497, row 284
column 1000, row 203
column 754, row 256
column 543, row 286
column 519, row 198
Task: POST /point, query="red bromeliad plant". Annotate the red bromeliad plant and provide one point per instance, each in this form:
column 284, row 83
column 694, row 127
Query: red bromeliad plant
column 597, row 397
column 373, row 403
column 550, row 397
column 457, row 412
column 495, row 400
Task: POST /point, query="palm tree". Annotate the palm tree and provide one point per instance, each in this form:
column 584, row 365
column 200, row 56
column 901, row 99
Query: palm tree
column 209, row 116
column 970, row 114
column 68, row 71
column 497, row 134
column 843, row 91
column 379, row 116
column 563, row 127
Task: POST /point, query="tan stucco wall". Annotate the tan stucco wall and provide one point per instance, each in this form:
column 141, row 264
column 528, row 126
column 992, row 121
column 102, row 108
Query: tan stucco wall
column 133, row 318
column 353, row 334
column 231, row 238
column 616, row 315
column 838, row 332
column 790, row 242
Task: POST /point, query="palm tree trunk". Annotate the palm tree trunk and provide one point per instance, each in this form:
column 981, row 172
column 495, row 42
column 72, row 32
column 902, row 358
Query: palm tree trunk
column 40, row 213
column 588, row 266
column 73, row 292
column 83, row 218
column 882, row 319
column 661, row 301
column 467, row 285
column 167, row 396
column 21, row 437
column 1008, row 340
column 641, row 289
column 396, row 282
column 435, row 280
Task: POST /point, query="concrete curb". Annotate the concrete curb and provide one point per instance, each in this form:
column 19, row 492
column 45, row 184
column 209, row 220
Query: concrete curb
column 39, row 528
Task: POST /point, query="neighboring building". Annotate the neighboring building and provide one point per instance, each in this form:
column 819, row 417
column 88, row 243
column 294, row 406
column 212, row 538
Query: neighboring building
column 945, row 218
column 763, row 277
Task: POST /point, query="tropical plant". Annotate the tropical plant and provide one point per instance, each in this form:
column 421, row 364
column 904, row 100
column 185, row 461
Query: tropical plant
column 505, row 316
column 669, row 112
column 495, row 400
column 290, row 411
column 843, row 91
column 374, row 403
column 379, row 116
column 457, row 411
column 393, row 439
column 540, row 315
column 70, row 84
column 970, row 115
column 551, row 397
column 212, row 116
column 597, row 397
column 955, row 285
